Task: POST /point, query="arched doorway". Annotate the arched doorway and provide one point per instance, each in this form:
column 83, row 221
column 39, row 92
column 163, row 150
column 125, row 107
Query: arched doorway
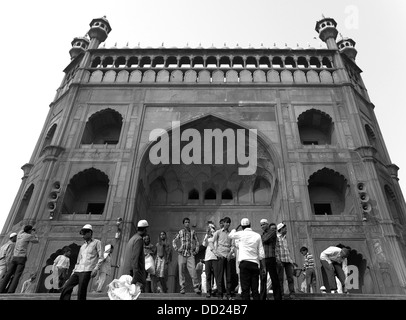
column 202, row 191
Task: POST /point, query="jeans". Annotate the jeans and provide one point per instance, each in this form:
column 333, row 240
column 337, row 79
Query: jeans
column 211, row 269
column 288, row 267
column 249, row 278
column 77, row 278
column 189, row 262
column 15, row 268
column 224, row 265
column 330, row 272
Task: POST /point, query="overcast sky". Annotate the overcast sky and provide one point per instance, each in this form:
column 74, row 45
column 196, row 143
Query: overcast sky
column 37, row 35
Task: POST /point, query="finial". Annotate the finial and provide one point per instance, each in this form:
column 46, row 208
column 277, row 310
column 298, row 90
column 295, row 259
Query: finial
column 126, row 44
column 162, row 44
column 200, row 44
column 104, row 17
column 286, row 44
column 138, row 43
column 225, row 44
column 104, row 45
column 323, row 16
column 341, row 35
column 187, row 44
column 274, row 44
column 115, row 44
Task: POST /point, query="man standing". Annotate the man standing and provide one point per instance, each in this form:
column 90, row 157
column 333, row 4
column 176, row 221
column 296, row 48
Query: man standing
column 331, row 260
column 269, row 241
column 224, row 250
column 134, row 259
column 90, row 258
column 309, row 269
column 284, row 261
column 17, row 264
column 6, row 253
column 189, row 247
column 250, row 257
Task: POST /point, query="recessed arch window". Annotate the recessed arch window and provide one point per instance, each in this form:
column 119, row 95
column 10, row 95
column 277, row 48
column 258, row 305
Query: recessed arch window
column 103, row 127
column 210, row 194
column 193, row 194
column 86, row 193
column 22, row 209
column 328, row 191
column 227, row 195
column 315, row 127
column 48, row 138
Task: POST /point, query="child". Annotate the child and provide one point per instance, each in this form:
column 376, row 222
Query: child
column 309, row 269
column 105, row 268
column 60, row 268
column 29, row 285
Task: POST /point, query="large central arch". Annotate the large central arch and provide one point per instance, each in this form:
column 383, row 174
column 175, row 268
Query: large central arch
column 167, row 193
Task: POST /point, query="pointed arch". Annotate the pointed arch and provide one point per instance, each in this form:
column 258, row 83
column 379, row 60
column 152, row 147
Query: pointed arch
column 327, row 192
column 103, row 127
column 315, row 127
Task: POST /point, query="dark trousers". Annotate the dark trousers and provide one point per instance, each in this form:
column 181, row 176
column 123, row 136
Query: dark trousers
column 77, row 278
column 224, row 265
column 211, row 269
column 249, row 278
column 288, row 268
column 329, row 272
column 15, row 270
column 270, row 264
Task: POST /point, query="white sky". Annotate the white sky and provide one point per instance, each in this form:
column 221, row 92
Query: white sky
column 37, row 35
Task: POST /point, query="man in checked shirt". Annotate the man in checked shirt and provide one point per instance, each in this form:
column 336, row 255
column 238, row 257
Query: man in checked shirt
column 284, row 260
column 189, row 247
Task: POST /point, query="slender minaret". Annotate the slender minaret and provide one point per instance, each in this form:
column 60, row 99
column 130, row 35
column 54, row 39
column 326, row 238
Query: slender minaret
column 347, row 46
column 79, row 45
column 327, row 31
column 99, row 30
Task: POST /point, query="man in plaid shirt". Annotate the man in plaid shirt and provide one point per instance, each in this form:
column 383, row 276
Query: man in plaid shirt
column 284, row 261
column 189, row 247
column 309, row 269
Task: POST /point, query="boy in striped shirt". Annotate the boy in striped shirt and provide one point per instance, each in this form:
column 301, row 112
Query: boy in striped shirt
column 309, row 269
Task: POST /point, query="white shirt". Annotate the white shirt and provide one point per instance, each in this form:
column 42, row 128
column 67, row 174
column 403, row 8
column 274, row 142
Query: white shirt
column 332, row 254
column 208, row 243
column 250, row 246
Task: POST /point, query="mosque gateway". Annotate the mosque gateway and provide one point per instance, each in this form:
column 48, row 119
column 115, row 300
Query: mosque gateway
column 293, row 138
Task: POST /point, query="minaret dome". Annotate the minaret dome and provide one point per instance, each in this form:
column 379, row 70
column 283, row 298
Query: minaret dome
column 79, row 45
column 347, row 46
column 327, row 31
column 99, row 30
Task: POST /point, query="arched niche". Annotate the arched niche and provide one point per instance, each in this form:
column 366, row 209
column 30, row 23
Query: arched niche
column 315, row 127
column 328, row 192
column 86, row 193
column 103, row 127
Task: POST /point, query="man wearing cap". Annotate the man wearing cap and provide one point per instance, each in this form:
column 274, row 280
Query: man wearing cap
column 270, row 242
column 88, row 263
column 134, row 259
column 189, row 247
column 250, row 257
column 331, row 260
column 17, row 265
column 284, row 261
column 6, row 253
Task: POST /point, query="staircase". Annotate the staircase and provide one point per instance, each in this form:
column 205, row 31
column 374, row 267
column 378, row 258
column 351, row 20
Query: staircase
column 194, row 297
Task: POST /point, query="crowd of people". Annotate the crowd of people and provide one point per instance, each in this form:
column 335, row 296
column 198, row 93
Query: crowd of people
column 237, row 262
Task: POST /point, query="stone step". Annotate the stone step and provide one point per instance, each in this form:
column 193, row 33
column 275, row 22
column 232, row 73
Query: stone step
column 193, row 296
